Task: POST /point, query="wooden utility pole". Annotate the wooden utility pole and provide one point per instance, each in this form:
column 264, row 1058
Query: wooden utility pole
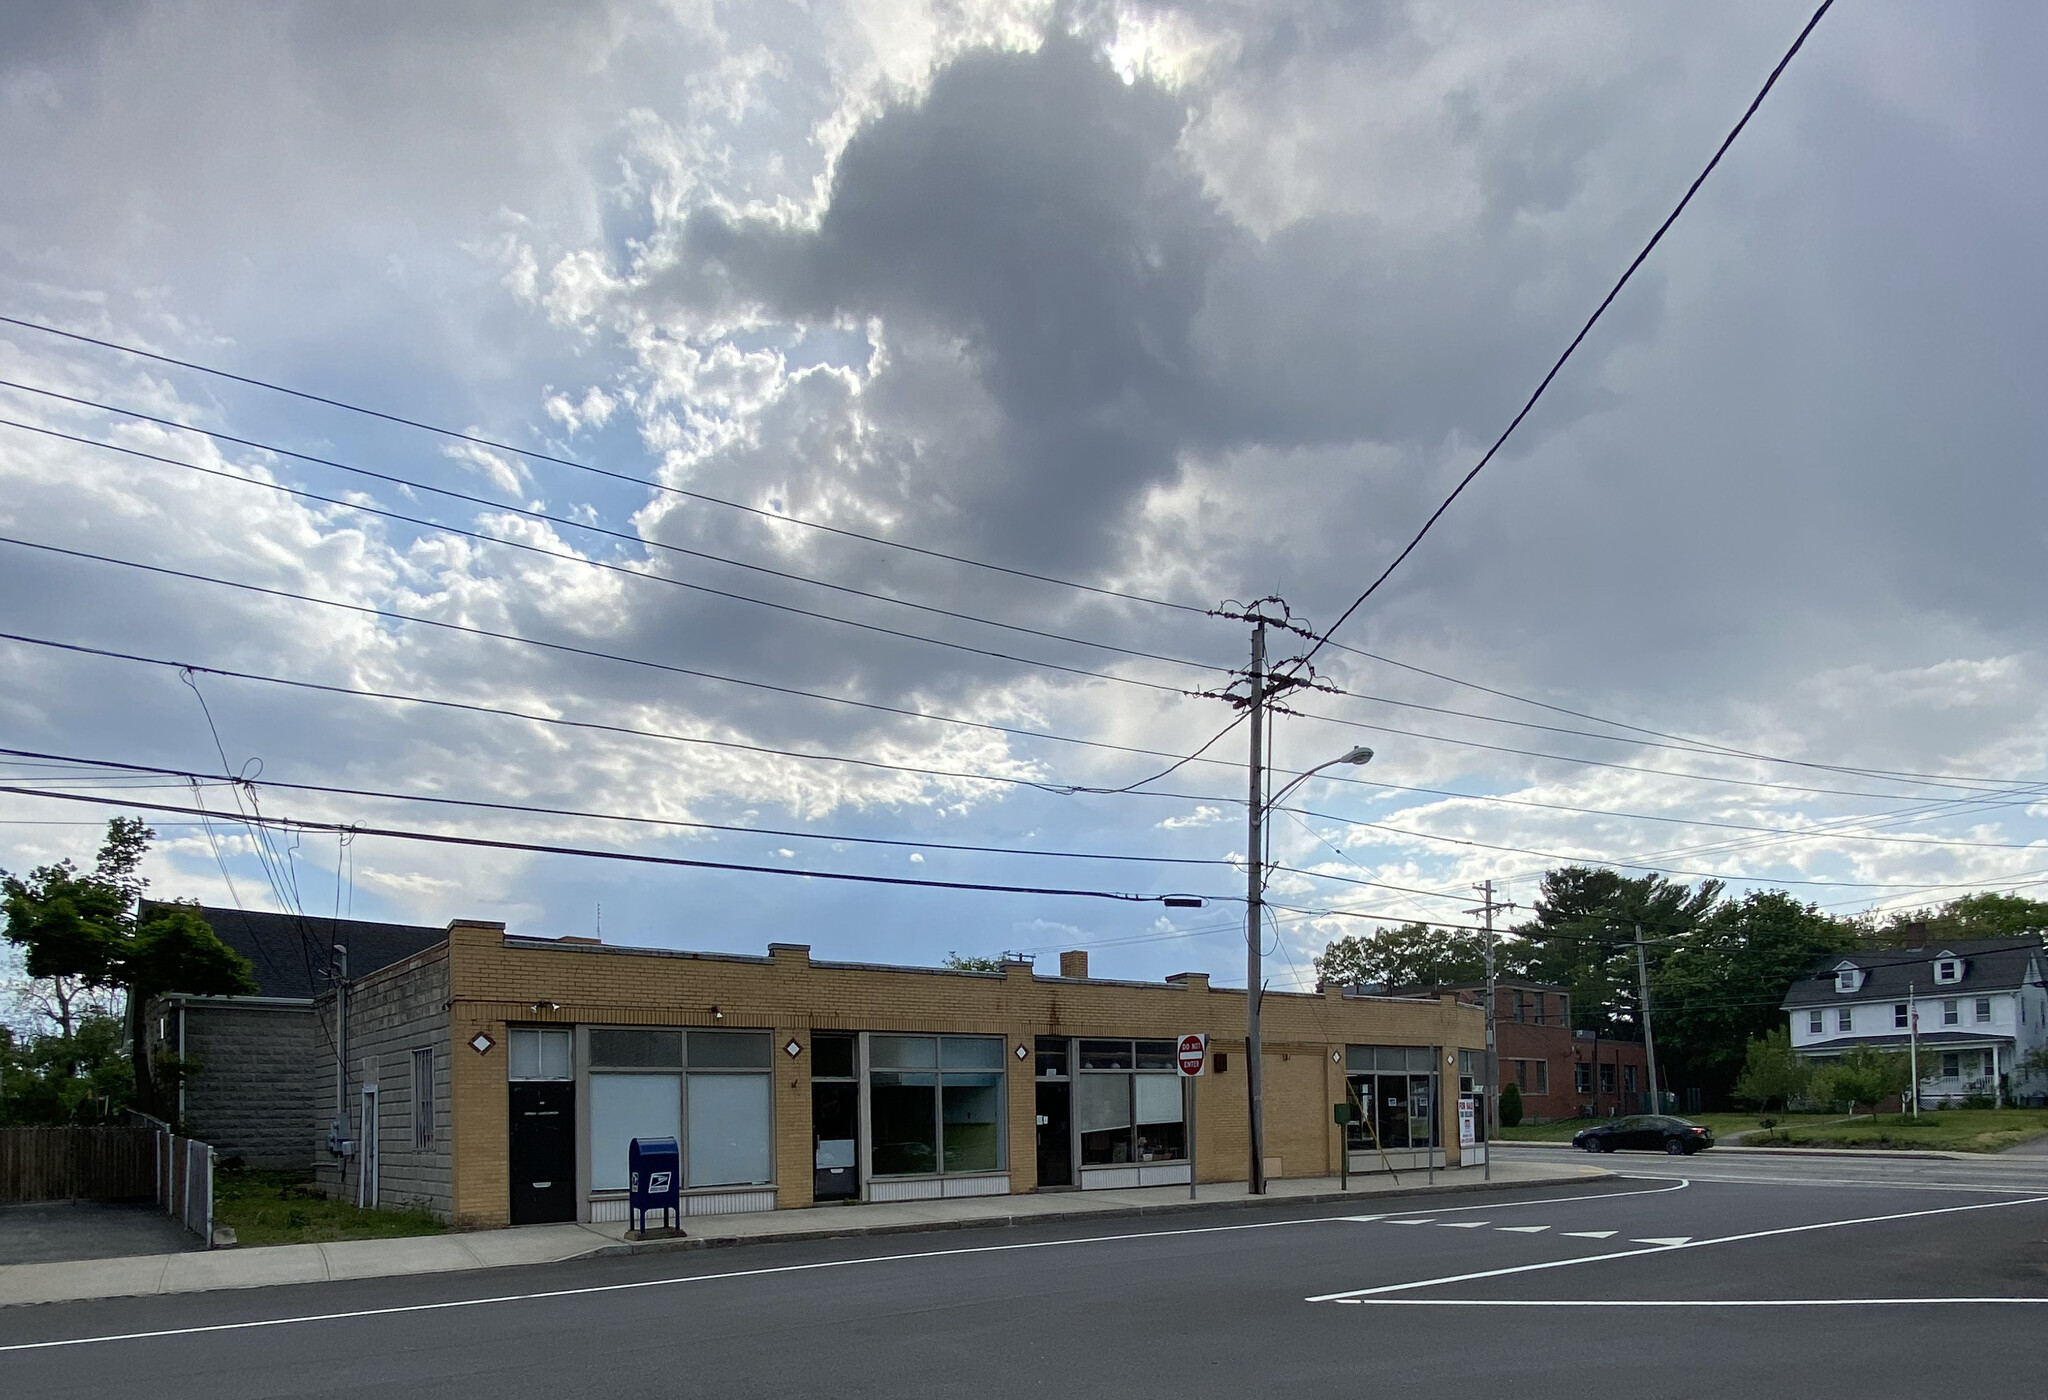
column 1254, row 922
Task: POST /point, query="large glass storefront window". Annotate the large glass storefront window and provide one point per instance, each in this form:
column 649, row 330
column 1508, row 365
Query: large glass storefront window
column 709, row 1090
column 935, row 1104
column 1391, row 1098
column 1127, row 1103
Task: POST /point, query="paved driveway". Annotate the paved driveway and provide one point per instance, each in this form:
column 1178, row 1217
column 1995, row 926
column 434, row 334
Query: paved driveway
column 45, row 1232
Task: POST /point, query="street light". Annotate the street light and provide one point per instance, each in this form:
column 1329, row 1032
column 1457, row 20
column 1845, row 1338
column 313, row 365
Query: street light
column 1255, row 890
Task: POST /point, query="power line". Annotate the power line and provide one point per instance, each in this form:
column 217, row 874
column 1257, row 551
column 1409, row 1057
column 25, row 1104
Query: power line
column 537, row 848
column 586, row 562
column 531, row 809
column 1584, row 330
column 591, row 527
column 650, row 484
column 596, row 654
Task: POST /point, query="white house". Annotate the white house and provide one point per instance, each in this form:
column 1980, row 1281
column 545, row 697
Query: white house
column 1981, row 1006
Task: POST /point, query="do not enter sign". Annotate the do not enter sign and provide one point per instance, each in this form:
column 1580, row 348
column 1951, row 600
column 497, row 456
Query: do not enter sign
column 1192, row 1055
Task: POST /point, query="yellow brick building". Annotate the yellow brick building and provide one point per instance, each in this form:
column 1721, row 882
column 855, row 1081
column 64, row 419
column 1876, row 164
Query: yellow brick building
column 788, row 1080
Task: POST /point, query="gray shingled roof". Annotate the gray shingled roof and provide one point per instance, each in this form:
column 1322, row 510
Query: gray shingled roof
column 289, row 952
column 1989, row 965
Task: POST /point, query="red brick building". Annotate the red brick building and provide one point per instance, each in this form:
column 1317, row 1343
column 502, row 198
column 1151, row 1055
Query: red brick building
column 1561, row 1073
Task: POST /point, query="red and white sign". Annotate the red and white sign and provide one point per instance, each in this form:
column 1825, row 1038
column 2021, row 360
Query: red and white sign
column 1193, row 1055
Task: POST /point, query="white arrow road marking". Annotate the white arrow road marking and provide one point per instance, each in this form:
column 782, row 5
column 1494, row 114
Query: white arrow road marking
column 1411, row 1222
column 1691, row 1244
column 1361, row 1219
column 1589, row 1234
column 1463, row 1224
column 1522, row 1229
column 1665, row 1239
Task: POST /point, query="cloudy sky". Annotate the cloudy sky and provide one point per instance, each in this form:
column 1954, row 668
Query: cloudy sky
column 1149, row 306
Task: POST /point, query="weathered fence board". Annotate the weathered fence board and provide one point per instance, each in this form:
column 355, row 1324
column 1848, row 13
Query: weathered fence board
column 77, row 1164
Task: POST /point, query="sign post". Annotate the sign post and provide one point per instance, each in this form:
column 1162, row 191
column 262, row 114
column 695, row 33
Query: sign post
column 1191, row 1057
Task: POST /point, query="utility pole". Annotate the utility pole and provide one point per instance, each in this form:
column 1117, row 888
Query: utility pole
column 337, row 1133
column 1649, row 1043
column 1489, row 1098
column 1254, row 921
column 1913, row 1038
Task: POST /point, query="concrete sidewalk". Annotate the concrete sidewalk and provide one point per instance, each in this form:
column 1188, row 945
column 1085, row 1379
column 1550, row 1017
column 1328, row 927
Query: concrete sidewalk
column 549, row 1244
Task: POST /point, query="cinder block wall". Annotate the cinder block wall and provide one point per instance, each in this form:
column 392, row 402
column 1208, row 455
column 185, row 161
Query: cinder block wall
column 250, row 1086
column 497, row 982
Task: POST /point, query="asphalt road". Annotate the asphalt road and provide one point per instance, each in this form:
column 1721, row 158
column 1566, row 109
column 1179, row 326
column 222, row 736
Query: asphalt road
column 1682, row 1281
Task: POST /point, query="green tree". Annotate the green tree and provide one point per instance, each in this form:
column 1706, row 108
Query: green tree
column 1511, row 1106
column 1772, row 1076
column 84, row 1077
column 85, row 932
column 1583, row 937
column 1718, row 989
column 1415, row 955
column 1969, row 916
column 961, row 963
column 1864, row 1074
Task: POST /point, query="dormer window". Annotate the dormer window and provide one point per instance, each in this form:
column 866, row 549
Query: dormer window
column 1848, row 978
column 1948, row 970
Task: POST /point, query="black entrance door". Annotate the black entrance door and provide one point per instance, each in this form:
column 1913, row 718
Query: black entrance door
column 835, row 1128
column 1055, row 1133
column 543, row 1153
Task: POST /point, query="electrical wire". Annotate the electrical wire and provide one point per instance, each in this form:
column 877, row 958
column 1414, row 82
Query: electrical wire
column 640, row 541
column 531, row 809
column 1584, row 330
column 652, row 485
column 680, row 862
column 602, row 564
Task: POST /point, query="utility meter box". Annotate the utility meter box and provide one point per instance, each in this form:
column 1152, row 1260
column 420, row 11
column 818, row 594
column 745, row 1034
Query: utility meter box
column 1342, row 1112
column 654, row 1182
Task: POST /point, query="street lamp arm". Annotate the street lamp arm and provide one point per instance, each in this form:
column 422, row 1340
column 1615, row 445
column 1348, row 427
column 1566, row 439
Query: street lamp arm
column 1358, row 756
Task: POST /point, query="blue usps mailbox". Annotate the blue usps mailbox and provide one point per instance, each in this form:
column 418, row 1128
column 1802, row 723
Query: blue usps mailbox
column 654, row 1181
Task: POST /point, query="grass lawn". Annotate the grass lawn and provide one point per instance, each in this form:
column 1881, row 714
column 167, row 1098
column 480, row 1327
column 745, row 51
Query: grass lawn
column 1562, row 1130
column 1952, row 1130
column 283, row 1208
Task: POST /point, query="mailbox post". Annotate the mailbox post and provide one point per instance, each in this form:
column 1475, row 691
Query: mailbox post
column 654, row 1183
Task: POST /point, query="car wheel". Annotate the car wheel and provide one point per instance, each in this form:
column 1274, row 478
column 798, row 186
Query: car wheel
column 1675, row 1147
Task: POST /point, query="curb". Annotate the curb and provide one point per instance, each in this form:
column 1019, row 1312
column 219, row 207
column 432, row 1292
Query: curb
column 1004, row 1222
column 1891, row 1154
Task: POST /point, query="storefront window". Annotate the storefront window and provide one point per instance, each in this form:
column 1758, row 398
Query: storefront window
column 935, row 1104
column 708, row 1089
column 1391, row 1097
column 1127, row 1103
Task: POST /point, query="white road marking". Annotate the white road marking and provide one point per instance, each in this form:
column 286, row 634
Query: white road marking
column 1873, row 1183
column 1361, row 1219
column 1671, row 1302
column 1411, row 1222
column 1665, row 1239
column 1590, row 1234
column 1463, row 1224
column 1564, row 1200
column 594, row 1289
column 1522, row 1229
column 1668, row 1248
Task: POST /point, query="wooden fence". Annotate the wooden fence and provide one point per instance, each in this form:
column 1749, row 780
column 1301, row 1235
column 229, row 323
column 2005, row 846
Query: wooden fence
column 78, row 1164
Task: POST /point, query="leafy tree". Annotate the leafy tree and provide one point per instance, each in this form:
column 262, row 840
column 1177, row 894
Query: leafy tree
column 958, row 963
column 1583, row 937
column 1772, row 1076
column 1719, row 988
column 84, row 1077
column 83, row 932
column 1416, row 955
column 1970, row 916
column 1511, row 1106
column 1865, row 1075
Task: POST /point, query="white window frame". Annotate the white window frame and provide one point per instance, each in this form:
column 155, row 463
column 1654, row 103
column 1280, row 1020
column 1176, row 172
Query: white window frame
column 1951, row 1012
column 1901, row 1020
column 1983, row 1010
column 1847, row 979
column 1816, row 1023
column 1947, row 970
column 1845, row 1019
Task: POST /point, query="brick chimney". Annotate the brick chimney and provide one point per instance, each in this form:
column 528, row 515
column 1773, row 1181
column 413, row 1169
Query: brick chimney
column 1074, row 963
column 1916, row 934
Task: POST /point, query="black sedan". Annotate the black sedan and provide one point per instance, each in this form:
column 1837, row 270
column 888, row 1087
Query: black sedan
column 1647, row 1133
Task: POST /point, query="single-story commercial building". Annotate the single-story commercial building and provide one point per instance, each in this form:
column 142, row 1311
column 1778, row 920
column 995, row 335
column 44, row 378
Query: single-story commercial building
column 498, row 1079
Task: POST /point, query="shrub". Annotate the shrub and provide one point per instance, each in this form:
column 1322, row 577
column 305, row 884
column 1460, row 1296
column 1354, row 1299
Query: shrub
column 1767, row 1122
column 1772, row 1076
column 1511, row 1106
